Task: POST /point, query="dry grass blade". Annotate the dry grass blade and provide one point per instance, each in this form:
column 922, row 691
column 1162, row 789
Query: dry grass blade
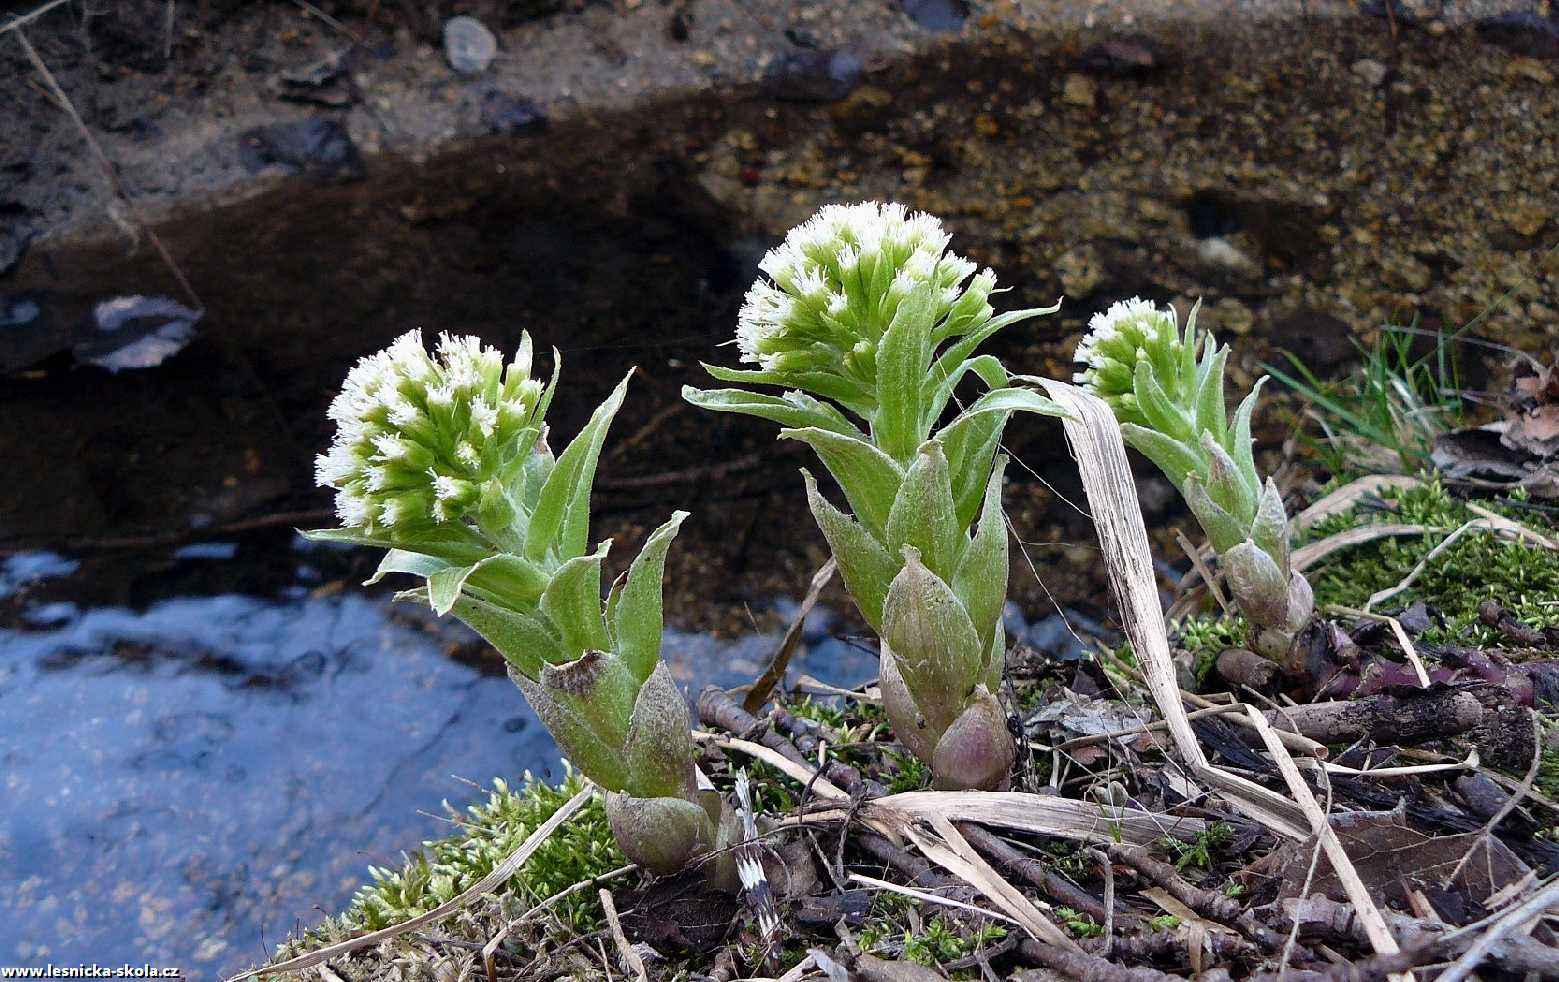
column 930, row 898
column 1369, row 915
column 775, row 673
column 1398, row 632
column 501, row 873
column 1510, row 528
column 1021, row 811
column 1308, row 555
column 629, row 956
column 953, row 853
column 1380, row 596
column 868, row 694
column 1344, row 498
column 820, row 785
column 1112, row 499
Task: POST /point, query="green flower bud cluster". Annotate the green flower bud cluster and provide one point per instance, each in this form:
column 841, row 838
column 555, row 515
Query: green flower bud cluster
column 1166, row 386
column 423, row 439
column 868, row 322
column 440, row 460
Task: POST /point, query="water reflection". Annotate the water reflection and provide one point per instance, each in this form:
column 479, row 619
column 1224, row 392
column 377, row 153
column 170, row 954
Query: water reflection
column 188, row 777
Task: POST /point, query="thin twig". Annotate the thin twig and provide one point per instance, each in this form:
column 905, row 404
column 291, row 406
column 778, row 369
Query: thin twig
column 1507, row 923
column 108, row 168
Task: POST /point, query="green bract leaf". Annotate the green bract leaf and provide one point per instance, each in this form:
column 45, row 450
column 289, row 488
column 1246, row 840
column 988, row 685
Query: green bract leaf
column 561, row 521
column 525, row 641
column 793, row 409
column 1209, row 407
column 1226, row 484
column 454, row 543
column 1270, row 529
column 1222, row 530
column 937, row 648
column 964, row 346
column 923, row 516
column 1174, row 458
column 635, row 619
column 402, row 561
column 658, row 744
column 847, row 393
column 1240, row 438
column 508, row 580
column 1259, row 586
column 869, row 478
column 1161, row 412
column 866, row 566
column 572, row 602
column 585, row 705
column 987, row 367
column 902, row 358
column 981, row 580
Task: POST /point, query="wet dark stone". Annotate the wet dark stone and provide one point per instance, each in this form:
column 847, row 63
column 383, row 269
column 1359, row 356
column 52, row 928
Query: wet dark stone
column 1524, row 33
column 1131, row 54
column 317, row 148
column 941, row 16
column 824, row 75
column 504, row 113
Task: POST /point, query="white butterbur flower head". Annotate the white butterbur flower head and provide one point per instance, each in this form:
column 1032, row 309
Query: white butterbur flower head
column 1128, row 332
column 833, row 286
column 419, row 434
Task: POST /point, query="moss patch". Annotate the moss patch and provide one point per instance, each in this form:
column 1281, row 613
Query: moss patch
column 1478, row 566
column 581, row 849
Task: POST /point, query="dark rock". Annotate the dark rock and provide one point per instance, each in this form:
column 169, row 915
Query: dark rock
column 503, row 113
column 1319, row 340
column 824, row 75
column 941, row 16
column 321, row 149
column 1129, row 54
column 1523, row 32
column 137, row 332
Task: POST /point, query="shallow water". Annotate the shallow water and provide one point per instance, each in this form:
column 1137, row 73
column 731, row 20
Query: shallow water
column 192, row 774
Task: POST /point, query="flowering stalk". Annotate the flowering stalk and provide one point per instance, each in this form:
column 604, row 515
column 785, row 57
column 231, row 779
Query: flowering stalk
column 1167, row 389
column 865, row 319
column 442, row 460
